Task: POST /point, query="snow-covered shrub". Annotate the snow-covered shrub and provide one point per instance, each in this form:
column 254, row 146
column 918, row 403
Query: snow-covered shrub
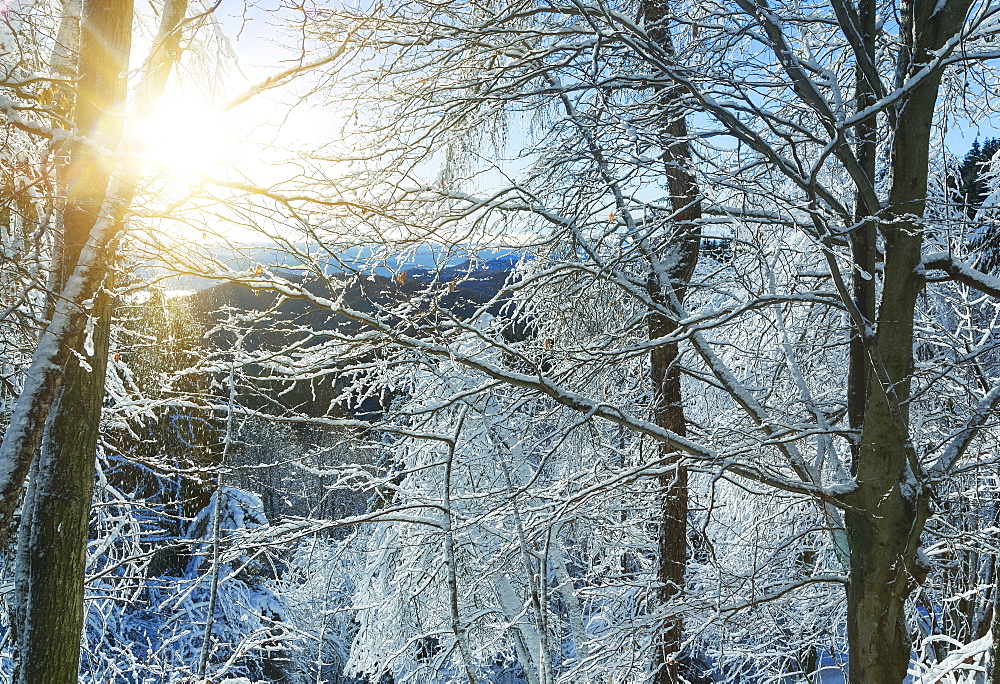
column 146, row 628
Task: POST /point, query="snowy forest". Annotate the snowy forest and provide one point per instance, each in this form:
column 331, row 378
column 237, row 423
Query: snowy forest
column 500, row 341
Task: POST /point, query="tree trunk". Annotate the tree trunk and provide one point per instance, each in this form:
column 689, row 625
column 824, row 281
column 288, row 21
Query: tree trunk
column 889, row 508
column 863, row 240
column 994, row 663
column 681, row 253
column 669, row 414
column 53, row 533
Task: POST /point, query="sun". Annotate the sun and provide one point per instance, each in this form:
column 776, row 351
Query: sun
column 185, row 136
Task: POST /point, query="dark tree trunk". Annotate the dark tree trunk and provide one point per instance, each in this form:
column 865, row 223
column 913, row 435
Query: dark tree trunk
column 53, row 533
column 994, row 625
column 681, row 251
column 669, row 414
column 863, row 239
column 889, row 508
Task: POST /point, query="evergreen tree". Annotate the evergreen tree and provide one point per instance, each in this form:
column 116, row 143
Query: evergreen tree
column 976, row 181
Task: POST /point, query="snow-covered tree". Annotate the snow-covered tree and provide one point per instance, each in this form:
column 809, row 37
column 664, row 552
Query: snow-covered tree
column 808, row 158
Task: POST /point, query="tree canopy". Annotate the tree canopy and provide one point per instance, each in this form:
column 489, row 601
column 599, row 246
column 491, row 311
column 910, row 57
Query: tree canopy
column 504, row 341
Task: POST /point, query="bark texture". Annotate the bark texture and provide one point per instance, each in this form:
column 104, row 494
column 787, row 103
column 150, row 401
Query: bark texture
column 890, row 506
column 53, row 533
column 863, row 239
column 668, row 284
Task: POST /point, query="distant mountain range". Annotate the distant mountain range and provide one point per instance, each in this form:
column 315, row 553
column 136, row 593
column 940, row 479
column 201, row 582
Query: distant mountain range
column 424, row 263
column 461, row 288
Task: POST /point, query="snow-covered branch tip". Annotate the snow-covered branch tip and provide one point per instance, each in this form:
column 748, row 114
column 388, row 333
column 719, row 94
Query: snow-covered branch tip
column 962, row 272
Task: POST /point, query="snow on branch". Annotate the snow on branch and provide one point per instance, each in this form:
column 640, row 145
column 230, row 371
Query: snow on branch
column 960, row 443
column 963, row 273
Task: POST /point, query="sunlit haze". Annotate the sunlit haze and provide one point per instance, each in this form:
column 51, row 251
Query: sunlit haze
column 186, row 136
